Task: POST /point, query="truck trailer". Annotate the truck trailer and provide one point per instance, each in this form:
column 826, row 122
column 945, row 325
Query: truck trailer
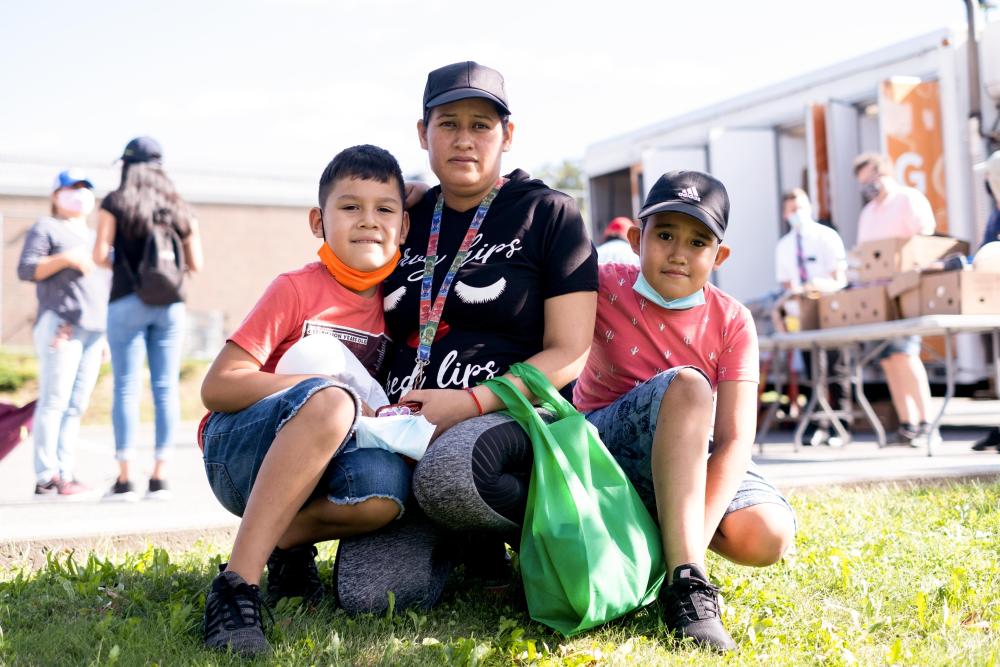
column 911, row 101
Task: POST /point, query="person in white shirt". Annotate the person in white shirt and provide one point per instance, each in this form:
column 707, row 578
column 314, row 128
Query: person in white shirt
column 810, row 256
column 616, row 249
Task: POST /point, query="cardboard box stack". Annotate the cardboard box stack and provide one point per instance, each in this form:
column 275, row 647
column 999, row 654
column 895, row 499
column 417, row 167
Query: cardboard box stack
column 888, row 278
column 858, row 305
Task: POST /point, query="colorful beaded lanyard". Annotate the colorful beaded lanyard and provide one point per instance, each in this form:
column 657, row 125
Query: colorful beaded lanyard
column 430, row 316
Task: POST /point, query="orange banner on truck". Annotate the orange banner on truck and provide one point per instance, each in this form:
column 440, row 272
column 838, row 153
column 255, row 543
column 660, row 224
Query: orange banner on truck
column 910, row 121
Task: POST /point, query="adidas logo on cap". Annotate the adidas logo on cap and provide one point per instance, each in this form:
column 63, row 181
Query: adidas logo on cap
column 693, row 193
column 689, row 193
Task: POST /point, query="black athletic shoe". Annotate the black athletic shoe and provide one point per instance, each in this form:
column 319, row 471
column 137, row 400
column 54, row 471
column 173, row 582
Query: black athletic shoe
column 691, row 609
column 158, row 490
column 121, row 492
column 232, row 617
column 990, row 441
column 292, row 573
column 909, row 435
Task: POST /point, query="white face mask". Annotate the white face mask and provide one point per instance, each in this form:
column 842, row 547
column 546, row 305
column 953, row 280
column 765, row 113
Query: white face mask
column 77, row 201
column 800, row 216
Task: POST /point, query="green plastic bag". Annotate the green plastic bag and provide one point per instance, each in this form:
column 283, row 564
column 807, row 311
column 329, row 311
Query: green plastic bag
column 590, row 551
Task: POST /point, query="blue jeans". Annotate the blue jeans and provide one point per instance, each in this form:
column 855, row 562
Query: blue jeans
column 67, row 372
column 136, row 330
column 627, row 427
column 236, row 444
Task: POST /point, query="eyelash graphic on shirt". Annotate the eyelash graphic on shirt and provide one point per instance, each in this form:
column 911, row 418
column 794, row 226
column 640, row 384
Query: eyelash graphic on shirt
column 473, row 295
column 393, row 298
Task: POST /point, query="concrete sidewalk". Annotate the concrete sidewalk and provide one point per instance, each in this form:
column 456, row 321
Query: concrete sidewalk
column 194, row 507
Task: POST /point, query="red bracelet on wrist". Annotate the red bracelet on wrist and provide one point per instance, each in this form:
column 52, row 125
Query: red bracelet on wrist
column 479, row 406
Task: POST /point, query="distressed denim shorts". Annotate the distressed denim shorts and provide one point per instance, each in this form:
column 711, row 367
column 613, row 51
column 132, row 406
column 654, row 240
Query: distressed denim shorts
column 237, row 442
column 905, row 345
column 626, row 428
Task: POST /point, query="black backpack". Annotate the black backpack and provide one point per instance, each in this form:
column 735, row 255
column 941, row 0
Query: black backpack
column 159, row 278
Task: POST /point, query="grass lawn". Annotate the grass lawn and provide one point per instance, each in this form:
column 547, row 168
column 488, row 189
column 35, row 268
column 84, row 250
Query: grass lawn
column 884, row 575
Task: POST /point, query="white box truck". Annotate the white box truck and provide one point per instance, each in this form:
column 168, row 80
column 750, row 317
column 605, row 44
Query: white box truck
column 910, row 101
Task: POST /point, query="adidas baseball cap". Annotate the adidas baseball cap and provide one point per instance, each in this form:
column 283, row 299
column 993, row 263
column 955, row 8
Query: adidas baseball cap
column 694, row 193
column 460, row 81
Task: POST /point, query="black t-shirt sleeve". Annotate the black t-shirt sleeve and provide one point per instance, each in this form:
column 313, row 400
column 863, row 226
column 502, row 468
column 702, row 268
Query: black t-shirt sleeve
column 569, row 260
column 110, row 204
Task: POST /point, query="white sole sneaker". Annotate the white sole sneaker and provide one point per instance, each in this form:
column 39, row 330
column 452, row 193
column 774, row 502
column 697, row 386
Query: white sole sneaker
column 127, row 497
column 161, row 495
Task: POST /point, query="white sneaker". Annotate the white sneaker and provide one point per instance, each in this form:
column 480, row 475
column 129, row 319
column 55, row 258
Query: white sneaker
column 158, row 490
column 121, row 492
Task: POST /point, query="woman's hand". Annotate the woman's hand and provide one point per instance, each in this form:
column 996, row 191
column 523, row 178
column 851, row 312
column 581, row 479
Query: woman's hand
column 443, row 407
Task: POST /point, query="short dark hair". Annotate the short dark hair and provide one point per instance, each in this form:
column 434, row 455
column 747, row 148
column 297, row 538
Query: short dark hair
column 504, row 117
column 880, row 163
column 794, row 193
column 366, row 162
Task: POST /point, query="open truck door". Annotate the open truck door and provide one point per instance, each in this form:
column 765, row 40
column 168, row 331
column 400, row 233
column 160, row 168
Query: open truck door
column 843, row 145
column 657, row 161
column 912, row 138
column 746, row 161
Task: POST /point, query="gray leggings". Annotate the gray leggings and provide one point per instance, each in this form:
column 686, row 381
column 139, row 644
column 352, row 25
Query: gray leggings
column 475, row 476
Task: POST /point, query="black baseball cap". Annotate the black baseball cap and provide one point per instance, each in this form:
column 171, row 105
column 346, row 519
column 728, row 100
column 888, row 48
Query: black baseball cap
column 694, row 193
column 142, row 149
column 461, row 81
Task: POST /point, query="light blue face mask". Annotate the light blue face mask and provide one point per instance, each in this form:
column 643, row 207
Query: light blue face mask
column 683, row 303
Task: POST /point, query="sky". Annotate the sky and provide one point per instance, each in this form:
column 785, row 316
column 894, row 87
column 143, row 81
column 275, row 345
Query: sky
column 277, row 87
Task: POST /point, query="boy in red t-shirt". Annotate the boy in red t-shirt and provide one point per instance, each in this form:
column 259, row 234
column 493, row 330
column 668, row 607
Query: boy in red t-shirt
column 665, row 341
column 279, row 449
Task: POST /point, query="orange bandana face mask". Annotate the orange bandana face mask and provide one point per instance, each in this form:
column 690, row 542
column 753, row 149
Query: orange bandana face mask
column 352, row 279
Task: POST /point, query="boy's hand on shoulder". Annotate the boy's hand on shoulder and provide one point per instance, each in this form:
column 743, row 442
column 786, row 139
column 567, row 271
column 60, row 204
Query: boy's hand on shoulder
column 415, row 191
column 443, row 407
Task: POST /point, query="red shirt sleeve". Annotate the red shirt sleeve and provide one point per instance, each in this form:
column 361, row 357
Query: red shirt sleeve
column 275, row 317
column 740, row 357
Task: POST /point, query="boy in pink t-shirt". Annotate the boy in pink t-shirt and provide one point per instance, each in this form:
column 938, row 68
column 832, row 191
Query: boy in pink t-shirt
column 665, row 342
column 278, row 449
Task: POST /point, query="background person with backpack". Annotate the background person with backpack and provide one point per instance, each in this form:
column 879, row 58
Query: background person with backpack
column 148, row 236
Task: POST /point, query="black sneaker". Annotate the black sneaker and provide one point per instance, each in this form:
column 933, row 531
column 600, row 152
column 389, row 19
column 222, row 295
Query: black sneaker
column 49, row 488
column 908, row 435
column 990, row 441
column 691, row 609
column 158, row 490
column 292, row 573
column 232, row 617
column 121, row 492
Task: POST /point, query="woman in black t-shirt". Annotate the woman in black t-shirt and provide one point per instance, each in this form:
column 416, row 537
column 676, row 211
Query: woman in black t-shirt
column 525, row 291
column 145, row 197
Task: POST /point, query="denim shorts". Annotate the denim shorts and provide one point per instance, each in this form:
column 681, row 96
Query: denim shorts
column 237, row 442
column 626, row 428
column 905, row 345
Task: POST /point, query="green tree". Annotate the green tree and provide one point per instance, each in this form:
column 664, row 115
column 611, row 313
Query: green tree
column 565, row 175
